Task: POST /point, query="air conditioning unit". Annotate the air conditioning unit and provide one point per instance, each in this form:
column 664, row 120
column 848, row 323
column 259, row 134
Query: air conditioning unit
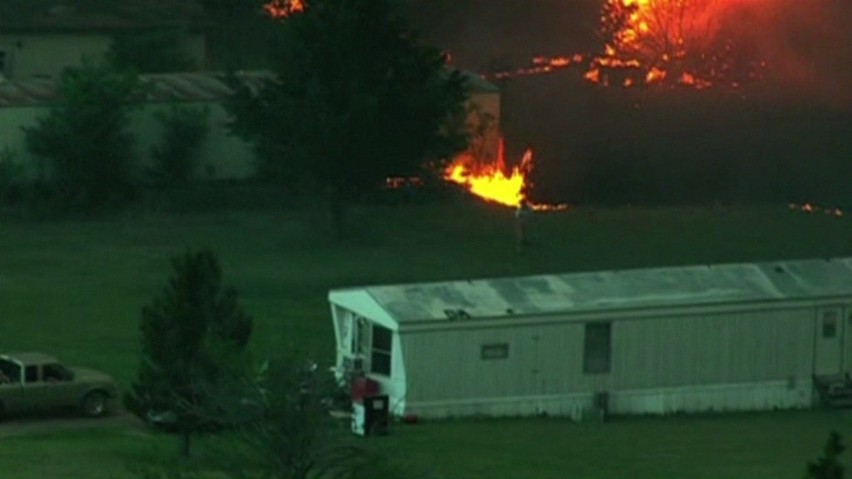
column 353, row 363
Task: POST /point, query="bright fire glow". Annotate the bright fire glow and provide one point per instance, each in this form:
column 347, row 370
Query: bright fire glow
column 648, row 42
column 495, row 182
column 650, row 37
column 284, row 8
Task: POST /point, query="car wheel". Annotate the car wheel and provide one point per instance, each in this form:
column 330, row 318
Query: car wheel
column 95, row 404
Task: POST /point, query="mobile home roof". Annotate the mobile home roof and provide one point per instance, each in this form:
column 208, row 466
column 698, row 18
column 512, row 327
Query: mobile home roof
column 606, row 290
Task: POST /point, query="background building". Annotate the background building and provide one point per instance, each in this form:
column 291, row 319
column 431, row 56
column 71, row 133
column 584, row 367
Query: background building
column 42, row 37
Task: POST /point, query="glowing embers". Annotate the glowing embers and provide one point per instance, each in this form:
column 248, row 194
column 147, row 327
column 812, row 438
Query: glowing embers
column 540, row 65
column 676, row 42
column 284, row 8
column 495, row 182
column 684, row 43
column 812, row 208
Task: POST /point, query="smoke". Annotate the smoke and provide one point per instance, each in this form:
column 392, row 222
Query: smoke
column 806, row 45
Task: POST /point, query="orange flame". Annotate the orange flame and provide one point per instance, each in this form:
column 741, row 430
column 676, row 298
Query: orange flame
column 284, row 8
column 673, row 42
column 541, row 65
column 494, row 182
column 669, row 41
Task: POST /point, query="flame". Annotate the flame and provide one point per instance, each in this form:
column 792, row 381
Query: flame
column 650, row 42
column 496, row 183
column 541, row 64
column 669, row 41
column 284, row 8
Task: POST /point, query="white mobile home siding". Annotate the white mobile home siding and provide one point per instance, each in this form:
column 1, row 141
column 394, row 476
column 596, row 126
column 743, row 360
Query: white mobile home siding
column 757, row 345
column 744, row 360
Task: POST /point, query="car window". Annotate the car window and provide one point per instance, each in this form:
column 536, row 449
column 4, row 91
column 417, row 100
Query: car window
column 9, row 372
column 55, row 372
column 31, row 374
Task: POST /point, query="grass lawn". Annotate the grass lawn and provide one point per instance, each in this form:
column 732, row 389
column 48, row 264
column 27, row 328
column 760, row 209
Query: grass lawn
column 75, row 289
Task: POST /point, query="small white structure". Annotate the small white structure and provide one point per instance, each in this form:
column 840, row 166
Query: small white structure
column 663, row 340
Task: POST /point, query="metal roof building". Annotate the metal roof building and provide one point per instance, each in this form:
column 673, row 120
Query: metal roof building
column 661, row 340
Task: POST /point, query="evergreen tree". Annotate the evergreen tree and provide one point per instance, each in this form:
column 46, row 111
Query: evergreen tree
column 356, row 98
column 828, row 466
column 186, row 331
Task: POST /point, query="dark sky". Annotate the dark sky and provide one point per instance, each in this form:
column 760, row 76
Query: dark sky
column 807, row 44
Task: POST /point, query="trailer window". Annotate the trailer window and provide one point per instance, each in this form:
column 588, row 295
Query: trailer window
column 380, row 354
column 494, row 351
column 829, row 325
column 596, row 348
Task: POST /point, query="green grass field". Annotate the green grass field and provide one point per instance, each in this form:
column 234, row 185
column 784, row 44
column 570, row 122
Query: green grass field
column 75, row 289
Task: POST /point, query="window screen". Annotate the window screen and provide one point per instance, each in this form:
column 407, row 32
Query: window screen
column 596, row 348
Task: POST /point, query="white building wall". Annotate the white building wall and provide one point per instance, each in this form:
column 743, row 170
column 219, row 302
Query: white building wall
column 222, row 156
column 704, row 361
column 47, row 54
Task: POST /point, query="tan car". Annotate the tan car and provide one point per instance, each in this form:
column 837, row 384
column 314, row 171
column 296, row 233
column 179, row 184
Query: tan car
column 36, row 382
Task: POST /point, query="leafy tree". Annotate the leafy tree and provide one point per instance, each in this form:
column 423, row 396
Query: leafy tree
column 85, row 139
column 186, row 333
column 828, row 466
column 176, row 156
column 160, row 50
column 284, row 430
column 356, row 97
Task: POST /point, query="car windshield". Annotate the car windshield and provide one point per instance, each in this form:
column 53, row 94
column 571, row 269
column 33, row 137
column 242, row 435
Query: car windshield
column 9, row 371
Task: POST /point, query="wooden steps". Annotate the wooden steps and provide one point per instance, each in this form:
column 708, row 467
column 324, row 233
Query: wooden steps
column 834, row 390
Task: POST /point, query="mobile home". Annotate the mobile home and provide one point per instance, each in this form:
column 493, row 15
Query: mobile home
column 675, row 339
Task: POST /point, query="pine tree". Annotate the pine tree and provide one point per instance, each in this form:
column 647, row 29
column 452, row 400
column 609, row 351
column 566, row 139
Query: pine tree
column 828, row 466
column 186, row 331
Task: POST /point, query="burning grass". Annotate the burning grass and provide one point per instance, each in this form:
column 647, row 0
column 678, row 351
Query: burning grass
column 496, row 182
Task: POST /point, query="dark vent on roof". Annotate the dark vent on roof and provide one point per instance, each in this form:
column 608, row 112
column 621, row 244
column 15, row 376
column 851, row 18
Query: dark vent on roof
column 454, row 314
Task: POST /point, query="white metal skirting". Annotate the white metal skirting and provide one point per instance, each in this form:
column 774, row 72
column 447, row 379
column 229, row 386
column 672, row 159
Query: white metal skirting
column 716, row 397
column 692, row 399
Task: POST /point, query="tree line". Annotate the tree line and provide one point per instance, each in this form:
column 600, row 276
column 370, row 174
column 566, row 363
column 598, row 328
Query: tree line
column 355, row 97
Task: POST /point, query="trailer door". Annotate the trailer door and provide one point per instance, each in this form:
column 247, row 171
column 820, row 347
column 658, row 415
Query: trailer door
column 828, row 350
